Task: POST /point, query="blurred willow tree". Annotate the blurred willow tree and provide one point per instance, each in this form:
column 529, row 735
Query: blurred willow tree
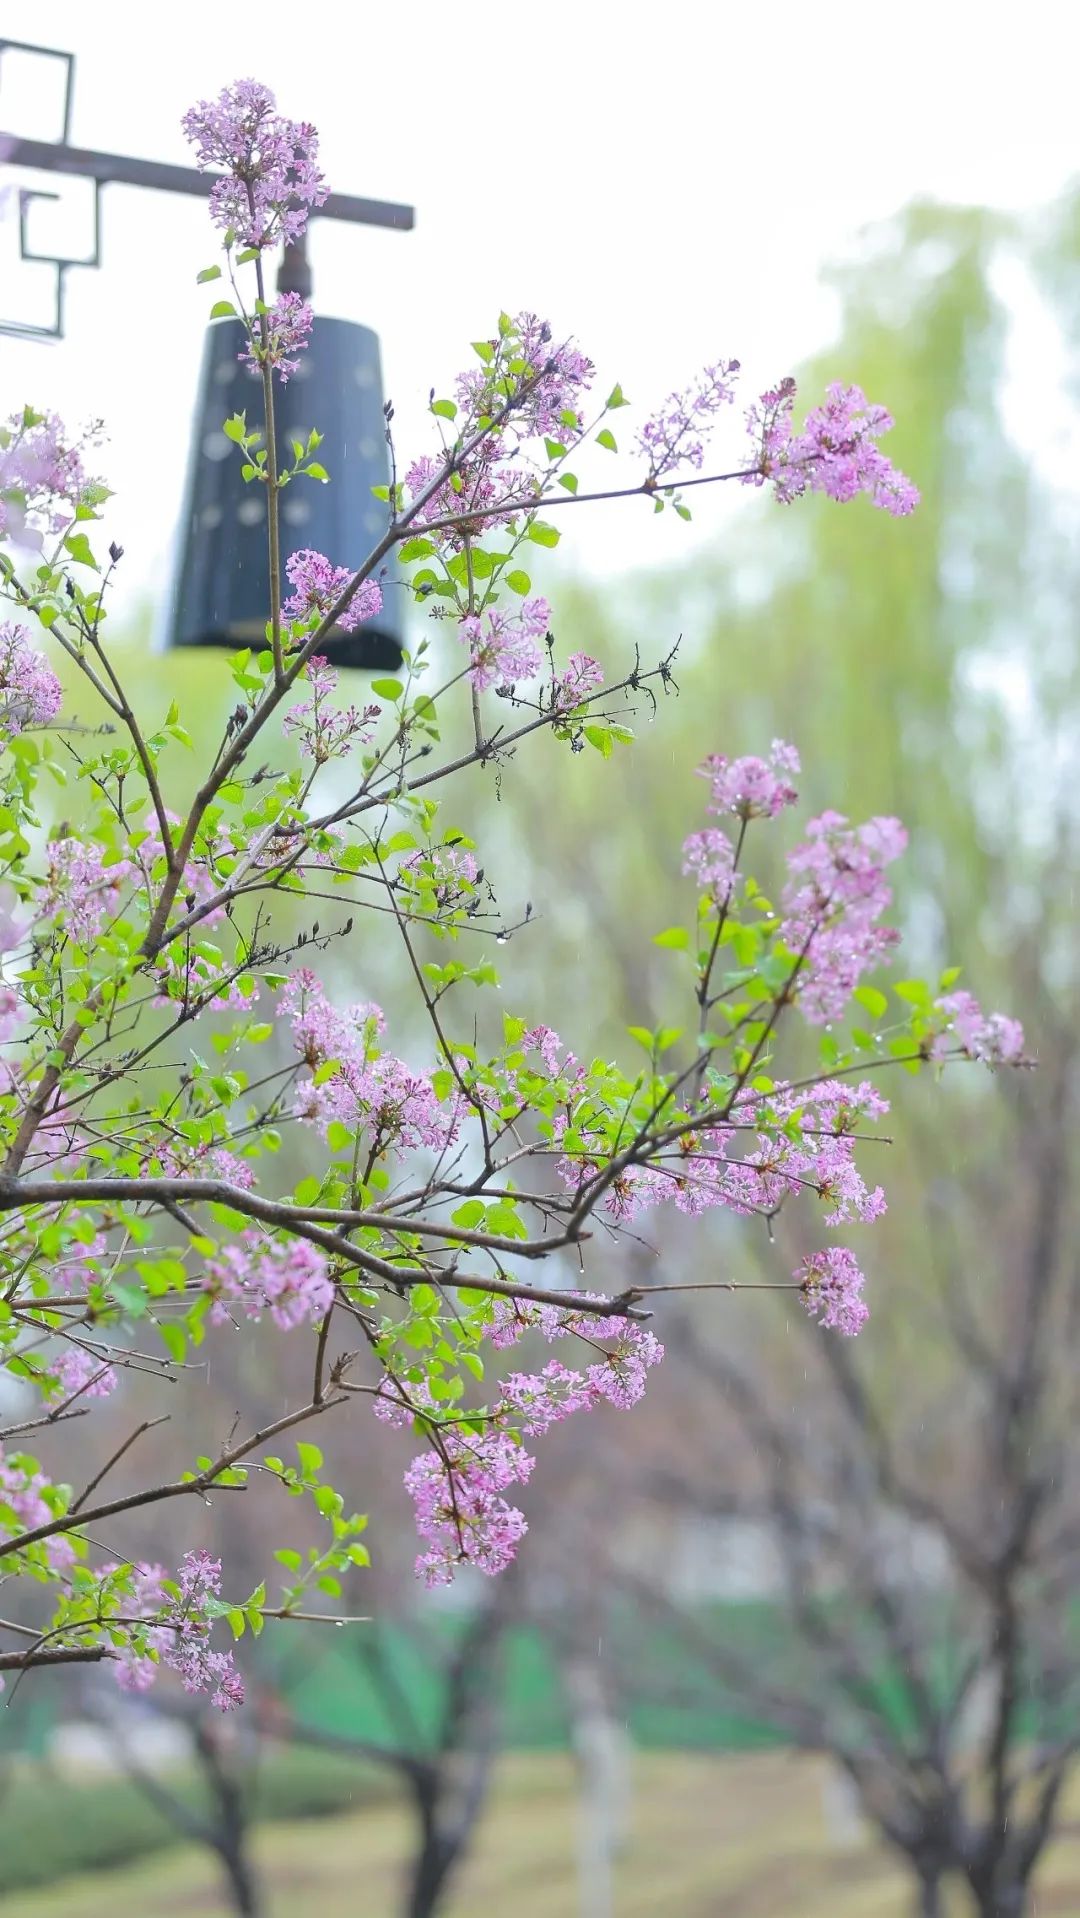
column 921, row 669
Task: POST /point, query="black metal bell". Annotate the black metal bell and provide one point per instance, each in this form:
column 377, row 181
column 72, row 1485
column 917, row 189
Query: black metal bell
column 221, row 587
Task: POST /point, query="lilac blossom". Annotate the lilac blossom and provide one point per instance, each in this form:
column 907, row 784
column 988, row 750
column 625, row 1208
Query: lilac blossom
column 287, row 325
column 177, row 1632
column 80, row 892
column 457, row 1486
column 752, row 788
column 81, row 1374
column 289, row 1278
column 992, row 1037
column 709, row 858
column 582, row 676
column 317, row 585
column 836, row 453
column 832, row 1290
column 505, row 647
column 676, row 435
column 30, row 693
column 324, row 731
column 270, row 164
column 395, row 1108
column 832, row 905
column 42, row 476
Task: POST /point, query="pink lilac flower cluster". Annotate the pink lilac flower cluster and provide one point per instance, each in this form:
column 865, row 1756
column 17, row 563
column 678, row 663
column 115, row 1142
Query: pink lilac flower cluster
column 77, row 1268
column 288, row 325
column 832, row 1290
column 270, row 164
column 504, row 647
column 82, row 1374
column 709, row 859
column 370, row 1091
column 289, row 1278
column 12, row 1012
column 460, row 1511
column 325, row 731
column 532, row 390
column 42, row 476
column 30, row 693
column 481, row 494
column 22, row 1492
column 836, row 453
column 581, row 677
column 457, row 1487
column 990, row 1036
column 80, row 892
column 676, row 435
column 752, row 788
column 775, row 1146
column 449, row 871
column 548, row 383
column 178, row 1632
column 199, row 1160
column 317, row 585
column 832, row 906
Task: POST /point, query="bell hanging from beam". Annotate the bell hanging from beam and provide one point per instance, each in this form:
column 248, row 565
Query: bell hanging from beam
column 221, row 585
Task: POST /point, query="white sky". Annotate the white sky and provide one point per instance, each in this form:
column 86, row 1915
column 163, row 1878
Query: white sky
column 667, row 183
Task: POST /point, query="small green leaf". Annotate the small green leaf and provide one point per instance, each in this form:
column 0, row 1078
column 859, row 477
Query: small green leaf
column 174, row 1340
column 445, row 409
column 607, row 438
column 316, row 472
column 387, row 688
column 223, row 310
column 875, row 1002
column 675, row 939
column 518, row 582
column 208, row 273
column 78, row 546
column 543, row 534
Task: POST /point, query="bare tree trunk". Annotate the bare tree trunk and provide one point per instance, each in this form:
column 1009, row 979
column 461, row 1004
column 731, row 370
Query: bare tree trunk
column 996, row 1900
column 928, row 1901
column 433, row 1856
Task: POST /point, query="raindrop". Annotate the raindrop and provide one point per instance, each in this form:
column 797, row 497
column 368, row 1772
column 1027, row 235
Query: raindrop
column 501, row 939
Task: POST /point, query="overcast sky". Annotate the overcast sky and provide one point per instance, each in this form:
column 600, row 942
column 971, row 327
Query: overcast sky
column 666, row 182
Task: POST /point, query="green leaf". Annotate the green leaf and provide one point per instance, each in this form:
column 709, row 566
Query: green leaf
column 236, row 427
column 875, row 1002
column 445, row 409
column 543, row 534
column 208, row 273
column 316, row 472
column 223, row 310
column 310, row 1457
column 468, row 1215
column 616, row 398
column 387, row 688
column 607, row 438
column 78, row 546
column 518, row 582
column 174, row 1339
column 674, row 939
